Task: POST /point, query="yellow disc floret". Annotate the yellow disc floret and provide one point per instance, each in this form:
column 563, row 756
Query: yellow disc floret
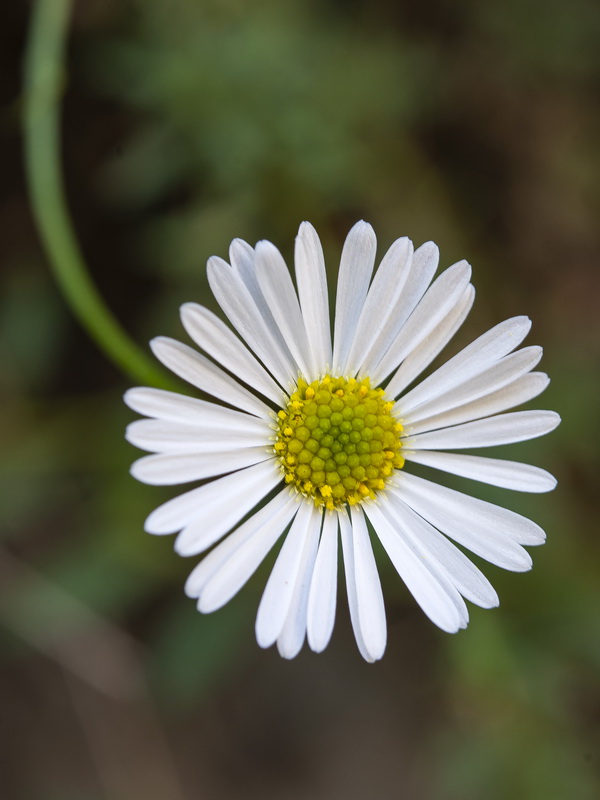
column 337, row 440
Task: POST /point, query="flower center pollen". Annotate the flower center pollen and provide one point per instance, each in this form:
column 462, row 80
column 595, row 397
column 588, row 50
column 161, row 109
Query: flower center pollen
column 337, row 440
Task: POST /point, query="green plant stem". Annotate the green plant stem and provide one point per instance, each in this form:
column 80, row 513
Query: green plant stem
column 44, row 84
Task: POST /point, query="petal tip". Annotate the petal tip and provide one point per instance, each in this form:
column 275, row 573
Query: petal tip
column 152, row 526
column 136, row 470
column 306, row 228
column 363, row 228
column 183, row 548
column 186, row 309
column 287, row 652
column 159, row 343
column 189, row 588
column 129, row 397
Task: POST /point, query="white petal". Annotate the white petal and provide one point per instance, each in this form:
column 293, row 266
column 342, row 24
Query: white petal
column 370, row 610
column 280, row 508
column 433, row 344
column 517, row 426
column 255, row 325
column 520, row 391
column 381, row 302
column 276, row 285
column 348, row 551
column 169, row 469
column 433, row 545
column 219, row 514
column 292, row 636
column 499, row 375
column 280, row 587
column 311, row 279
column 507, row 474
column 476, row 357
column 494, row 533
column 356, row 267
column 436, row 595
column 422, row 269
column 164, row 436
column 226, row 569
column 241, row 256
column 243, row 261
column 206, row 376
column 216, row 339
column 211, row 503
column 490, row 517
column 323, row 590
column 441, row 297
column 160, row 404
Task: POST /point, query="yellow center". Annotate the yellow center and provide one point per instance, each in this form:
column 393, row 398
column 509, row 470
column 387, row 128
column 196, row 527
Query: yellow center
column 337, row 440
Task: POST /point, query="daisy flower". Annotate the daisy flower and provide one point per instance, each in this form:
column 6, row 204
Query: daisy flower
column 310, row 438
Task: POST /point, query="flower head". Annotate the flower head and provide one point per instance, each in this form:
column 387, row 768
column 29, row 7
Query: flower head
column 310, row 438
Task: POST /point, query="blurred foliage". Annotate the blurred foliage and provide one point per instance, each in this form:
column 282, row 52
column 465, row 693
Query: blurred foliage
column 187, row 124
column 254, row 117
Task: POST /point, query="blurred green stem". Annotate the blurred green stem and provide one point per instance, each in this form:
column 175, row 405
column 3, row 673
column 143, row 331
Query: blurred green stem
column 44, row 84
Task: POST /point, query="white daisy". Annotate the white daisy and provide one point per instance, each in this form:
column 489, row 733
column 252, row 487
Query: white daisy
column 311, row 438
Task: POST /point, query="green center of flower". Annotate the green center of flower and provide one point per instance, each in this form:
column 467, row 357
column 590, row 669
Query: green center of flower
column 337, row 440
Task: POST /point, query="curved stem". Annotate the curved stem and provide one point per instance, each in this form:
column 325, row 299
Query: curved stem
column 44, row 84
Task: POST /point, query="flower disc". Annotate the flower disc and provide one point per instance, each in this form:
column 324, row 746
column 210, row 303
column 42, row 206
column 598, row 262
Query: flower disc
column 338, row 441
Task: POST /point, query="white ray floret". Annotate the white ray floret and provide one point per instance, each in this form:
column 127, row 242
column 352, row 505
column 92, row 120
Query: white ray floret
column 206, row 376
column 169, row 406
column 307, row 440
column 423, row 353
column 516, row 426
column 216, row 339
column 210, row 505
column 431, row 589
column 252, row 537
column 216, row 514
column 165, row 436
column 506, row 474
column 519, row 391
column 255, row 325
column 323, row 589
column 371, row 646
column 441, row 297
column 492, row 379
column 356, row 267
column 471, row 361
column 420, row 272
column 381, row 302
column 275, row 282
column 293, row 633
column 313, row 294
column 436, row 548
column 288, row 571
column 167, row 469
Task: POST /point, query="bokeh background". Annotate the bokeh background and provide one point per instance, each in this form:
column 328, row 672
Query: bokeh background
column 187, row 123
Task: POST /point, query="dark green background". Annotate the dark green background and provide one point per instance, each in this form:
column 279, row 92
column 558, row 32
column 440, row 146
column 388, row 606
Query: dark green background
column 186, row 124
